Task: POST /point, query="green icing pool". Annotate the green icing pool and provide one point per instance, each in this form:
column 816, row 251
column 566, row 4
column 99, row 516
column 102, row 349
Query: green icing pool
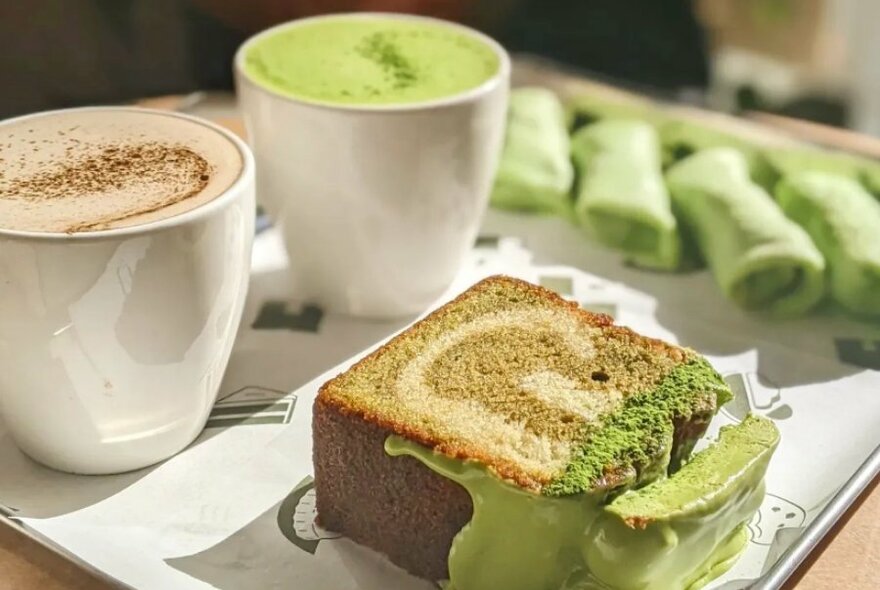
column 690, row 532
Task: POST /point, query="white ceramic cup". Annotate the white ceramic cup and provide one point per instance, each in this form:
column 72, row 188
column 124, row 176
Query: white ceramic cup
column 113, row 343
column 378, row 204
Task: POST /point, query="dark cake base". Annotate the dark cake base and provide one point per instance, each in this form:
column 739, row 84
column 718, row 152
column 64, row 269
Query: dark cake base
column 394, row 505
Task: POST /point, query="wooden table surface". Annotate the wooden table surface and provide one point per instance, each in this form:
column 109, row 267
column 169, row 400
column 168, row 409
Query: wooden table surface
column 847, row 559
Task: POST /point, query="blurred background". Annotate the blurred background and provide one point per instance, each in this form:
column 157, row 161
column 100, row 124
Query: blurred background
column 810, row 59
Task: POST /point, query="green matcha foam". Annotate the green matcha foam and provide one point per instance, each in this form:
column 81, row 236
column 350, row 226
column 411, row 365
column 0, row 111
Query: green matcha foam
column 369, row 60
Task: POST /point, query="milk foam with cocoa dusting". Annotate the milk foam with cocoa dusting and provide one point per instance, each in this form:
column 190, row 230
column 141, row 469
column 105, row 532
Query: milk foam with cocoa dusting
column 89, row 170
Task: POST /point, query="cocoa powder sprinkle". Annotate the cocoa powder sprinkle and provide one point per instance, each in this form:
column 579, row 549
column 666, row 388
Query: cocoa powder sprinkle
column 109, row 168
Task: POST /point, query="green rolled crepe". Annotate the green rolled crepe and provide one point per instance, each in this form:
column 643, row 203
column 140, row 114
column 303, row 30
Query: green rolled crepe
column 786, row 162
column 760, row 258
column 535, row 172
column 871, row 179
column 587, row 109
column 682, row 138
column 844, row 221
column 621, row 197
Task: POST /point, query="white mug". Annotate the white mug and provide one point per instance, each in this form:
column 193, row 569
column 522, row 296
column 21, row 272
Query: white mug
column 113, row 342
column 378, row 204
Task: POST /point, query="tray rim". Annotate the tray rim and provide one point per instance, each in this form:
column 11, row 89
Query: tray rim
column 837, row 507
column 19, row 528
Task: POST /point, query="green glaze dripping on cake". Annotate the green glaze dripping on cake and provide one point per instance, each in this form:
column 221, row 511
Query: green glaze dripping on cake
column 659, row 531
column 638, row 436
column 516, row 540
column 677, row 533
column 370, row 60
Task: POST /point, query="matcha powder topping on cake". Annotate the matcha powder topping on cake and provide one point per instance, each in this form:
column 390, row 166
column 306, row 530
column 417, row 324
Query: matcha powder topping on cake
column 638, row 436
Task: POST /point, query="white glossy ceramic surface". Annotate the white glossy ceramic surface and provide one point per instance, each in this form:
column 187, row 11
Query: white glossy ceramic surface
column 113, row 343
column 378, row 204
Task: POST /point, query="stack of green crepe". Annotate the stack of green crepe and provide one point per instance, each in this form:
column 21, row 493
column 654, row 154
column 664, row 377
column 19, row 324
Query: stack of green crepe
column 844, row 221
column 621, row 196
column 535, row 172
column 759, row 257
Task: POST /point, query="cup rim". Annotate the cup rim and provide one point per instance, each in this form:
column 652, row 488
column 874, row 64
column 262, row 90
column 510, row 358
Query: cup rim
column 465, row 96
column 197, row 214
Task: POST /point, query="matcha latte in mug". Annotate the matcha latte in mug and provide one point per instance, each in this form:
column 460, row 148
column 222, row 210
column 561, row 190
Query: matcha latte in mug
column 376, row 138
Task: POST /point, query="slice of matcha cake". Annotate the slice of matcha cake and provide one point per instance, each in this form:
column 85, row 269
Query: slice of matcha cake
column 515, row 410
